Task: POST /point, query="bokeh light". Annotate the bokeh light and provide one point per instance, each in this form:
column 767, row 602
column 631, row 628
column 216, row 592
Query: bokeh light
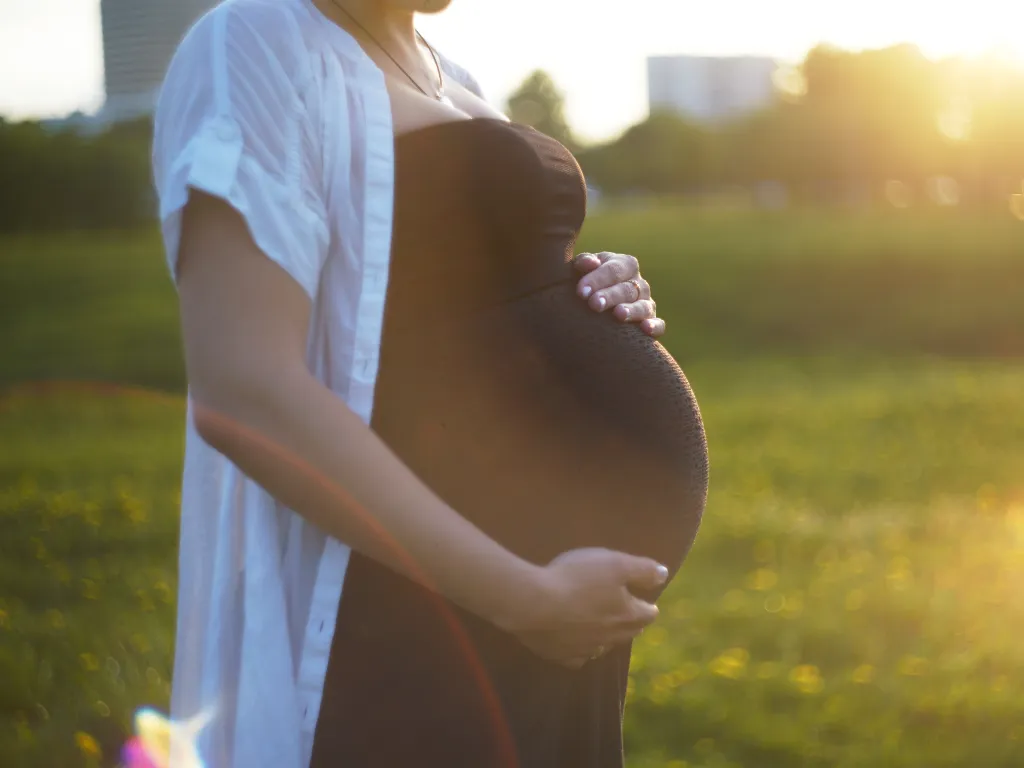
column 898, row 193
column 944, row 191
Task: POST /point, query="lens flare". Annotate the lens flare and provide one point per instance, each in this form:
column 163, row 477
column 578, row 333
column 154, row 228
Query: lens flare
column 944, row 191
column 160, row 742
column 898, row 193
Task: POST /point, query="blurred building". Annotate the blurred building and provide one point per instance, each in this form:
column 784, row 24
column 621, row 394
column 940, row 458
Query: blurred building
column 710, row 89
column 139, row 38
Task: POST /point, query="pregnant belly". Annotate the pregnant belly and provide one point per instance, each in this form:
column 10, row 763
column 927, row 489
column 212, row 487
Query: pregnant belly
column 548, row 426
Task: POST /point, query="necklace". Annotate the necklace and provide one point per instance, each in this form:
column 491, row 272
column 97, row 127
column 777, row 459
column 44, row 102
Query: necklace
column 438, row 92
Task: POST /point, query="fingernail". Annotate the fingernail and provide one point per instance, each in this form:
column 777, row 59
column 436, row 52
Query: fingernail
column 601, row 303
column 585, row 291
column 625, row 313
column 662, row 574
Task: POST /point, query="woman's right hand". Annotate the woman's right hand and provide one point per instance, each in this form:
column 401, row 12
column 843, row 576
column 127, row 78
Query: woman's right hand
column 584, row 606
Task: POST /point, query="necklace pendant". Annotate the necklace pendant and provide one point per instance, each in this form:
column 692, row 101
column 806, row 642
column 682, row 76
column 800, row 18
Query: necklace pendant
column 443, row 98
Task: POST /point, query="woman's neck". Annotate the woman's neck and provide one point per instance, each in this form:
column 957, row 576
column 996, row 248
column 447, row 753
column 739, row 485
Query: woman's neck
column 391, row 27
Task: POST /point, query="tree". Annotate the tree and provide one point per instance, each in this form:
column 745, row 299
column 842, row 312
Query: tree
column 878, row 110
column 539, row 103
column 664, row 154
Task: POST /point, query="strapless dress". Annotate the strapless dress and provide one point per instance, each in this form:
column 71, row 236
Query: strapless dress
column 547, row 425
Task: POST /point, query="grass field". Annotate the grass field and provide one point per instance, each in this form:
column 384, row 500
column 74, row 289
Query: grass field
column 853, row 597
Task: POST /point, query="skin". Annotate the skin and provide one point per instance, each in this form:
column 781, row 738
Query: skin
column 606, row 283
column 245, row 326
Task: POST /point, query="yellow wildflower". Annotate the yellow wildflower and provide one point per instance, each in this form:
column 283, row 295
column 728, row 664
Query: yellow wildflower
column 762, row 579
column 163, row 591
column 898, row 571
column 87, row 744
column 731, row 663
column 865, row 673
column 807, row 678
column 913, row 666
column 686, row 672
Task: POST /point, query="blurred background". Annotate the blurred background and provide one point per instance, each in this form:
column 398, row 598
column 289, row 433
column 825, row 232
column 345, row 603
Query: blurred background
column 829, row 202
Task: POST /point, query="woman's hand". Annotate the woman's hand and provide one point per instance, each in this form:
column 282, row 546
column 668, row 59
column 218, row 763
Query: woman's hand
column 608, row 283
column 583, row 605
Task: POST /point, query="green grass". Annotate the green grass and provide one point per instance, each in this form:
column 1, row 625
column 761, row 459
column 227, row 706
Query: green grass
column 736, row 282
column 852, row 599
column 88, row 509
column 730, row 283
column 89, row 307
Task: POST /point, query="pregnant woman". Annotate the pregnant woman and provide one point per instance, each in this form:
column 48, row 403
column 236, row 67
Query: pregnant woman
column 430, row 495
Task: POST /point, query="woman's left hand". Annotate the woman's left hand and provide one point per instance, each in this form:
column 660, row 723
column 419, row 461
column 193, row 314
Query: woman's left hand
column 613, row 281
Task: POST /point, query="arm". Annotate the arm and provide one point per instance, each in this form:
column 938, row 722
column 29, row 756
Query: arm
column 245, row 325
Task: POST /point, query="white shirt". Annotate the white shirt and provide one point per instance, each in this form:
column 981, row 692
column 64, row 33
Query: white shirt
column 272, row 107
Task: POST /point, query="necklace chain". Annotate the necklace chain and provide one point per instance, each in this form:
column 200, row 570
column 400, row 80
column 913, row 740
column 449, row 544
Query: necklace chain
column 439, row 95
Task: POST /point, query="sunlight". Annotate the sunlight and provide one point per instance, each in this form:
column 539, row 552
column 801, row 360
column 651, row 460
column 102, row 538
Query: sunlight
column 1017, row 204
column 955, row 121
column 790, row 83
column 605, row 92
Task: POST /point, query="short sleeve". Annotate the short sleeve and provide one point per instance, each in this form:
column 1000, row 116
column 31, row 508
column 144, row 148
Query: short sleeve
column 237, row 118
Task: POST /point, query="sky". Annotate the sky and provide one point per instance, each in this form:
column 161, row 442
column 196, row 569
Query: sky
column 51, row 60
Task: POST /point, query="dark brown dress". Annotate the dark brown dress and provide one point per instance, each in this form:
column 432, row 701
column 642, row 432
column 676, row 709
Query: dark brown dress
column 549, row 426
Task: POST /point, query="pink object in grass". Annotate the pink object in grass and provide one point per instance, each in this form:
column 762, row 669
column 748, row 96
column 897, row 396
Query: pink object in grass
column 134, row 755
column 160, row 742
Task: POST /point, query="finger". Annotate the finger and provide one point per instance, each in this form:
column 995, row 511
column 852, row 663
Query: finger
column 586, row 262
column 640, row 614
column 637, row 311
column 654, row 327
column 642, row 572
column 615, row 268
column 619, row 294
